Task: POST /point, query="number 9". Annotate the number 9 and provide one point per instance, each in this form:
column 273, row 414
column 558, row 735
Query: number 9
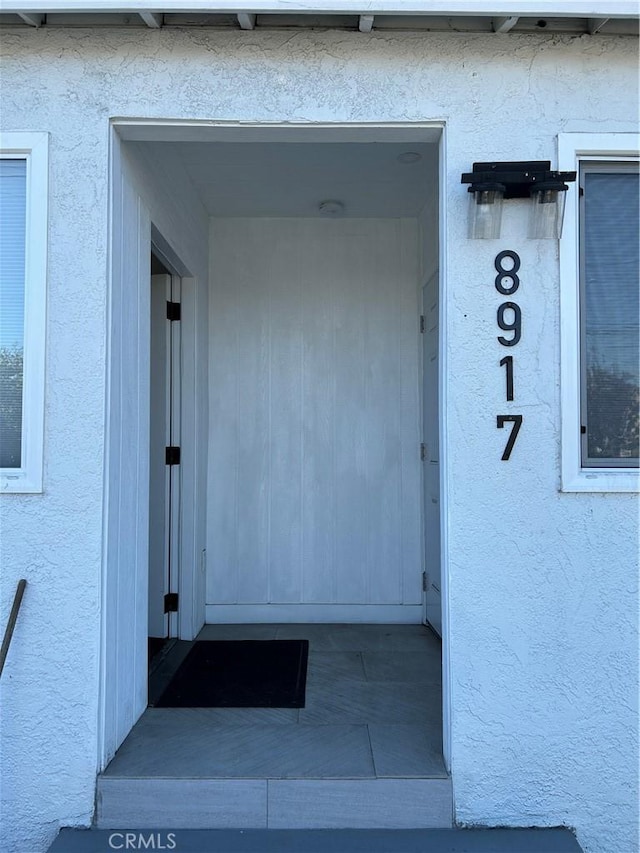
column 515, row 326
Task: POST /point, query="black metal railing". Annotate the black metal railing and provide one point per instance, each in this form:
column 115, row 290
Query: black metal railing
column 11, row 624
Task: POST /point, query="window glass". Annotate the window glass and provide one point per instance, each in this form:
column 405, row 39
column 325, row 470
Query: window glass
column 610, row 316
column 13, row 175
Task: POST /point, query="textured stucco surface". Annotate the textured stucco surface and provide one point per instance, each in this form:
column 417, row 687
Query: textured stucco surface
column 543, row 586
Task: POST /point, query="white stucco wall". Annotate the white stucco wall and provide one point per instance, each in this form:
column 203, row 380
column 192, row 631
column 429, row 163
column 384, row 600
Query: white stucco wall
column 543, row 586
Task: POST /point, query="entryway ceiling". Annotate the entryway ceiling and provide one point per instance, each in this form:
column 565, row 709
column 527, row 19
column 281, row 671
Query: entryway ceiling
column 292, row 179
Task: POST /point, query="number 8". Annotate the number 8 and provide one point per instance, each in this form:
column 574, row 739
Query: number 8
column 508, row 275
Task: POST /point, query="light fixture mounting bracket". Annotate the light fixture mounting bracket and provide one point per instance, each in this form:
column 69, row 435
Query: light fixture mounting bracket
column 519, row 178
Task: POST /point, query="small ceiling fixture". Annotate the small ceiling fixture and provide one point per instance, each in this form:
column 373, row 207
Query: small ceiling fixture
column 331, row 207
column 409, row 157
column 491, row 183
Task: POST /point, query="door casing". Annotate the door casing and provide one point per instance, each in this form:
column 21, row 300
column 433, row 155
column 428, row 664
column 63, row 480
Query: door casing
column 114, row 722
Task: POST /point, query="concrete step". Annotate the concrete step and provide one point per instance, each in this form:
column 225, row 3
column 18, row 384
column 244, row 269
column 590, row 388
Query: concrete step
column 191, row 803
column 319, row 841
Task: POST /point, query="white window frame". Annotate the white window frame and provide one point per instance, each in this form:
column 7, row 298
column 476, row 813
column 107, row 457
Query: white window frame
column 34, row 148
column 572, row 149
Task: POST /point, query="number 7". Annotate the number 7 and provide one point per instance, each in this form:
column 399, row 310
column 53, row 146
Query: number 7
column 516, row 420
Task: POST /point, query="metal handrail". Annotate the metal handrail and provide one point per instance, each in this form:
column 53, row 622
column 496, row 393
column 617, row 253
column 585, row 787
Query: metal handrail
column 11, row 624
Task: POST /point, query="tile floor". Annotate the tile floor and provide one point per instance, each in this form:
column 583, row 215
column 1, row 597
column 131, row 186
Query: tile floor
column 373, row 711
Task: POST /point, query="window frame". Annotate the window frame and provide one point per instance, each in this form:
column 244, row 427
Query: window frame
column 573, row 150
column 33, row 147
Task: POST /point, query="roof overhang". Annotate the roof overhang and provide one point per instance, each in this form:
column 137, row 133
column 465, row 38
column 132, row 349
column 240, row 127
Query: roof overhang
column 495, row 8
column 573, row 17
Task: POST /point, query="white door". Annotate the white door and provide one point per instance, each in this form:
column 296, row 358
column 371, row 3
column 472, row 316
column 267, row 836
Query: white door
column 431, row 454
column 163, row 477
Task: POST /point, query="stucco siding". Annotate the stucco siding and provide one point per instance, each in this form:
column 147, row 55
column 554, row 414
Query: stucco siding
column 543, row 586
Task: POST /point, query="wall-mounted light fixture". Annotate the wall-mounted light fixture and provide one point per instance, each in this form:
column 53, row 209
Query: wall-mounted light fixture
column 491, row 183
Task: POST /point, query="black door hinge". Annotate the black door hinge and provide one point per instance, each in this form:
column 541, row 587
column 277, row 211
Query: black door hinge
column 171, row 602
column 172, row 455
column 422, row 324
column 425, row 581
column 423, row 452
column 173, row 311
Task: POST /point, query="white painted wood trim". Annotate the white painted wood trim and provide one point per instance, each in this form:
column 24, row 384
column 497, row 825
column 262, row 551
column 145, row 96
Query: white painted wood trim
column 190, row 617
column 191, row 580
column 572, row 148
column 106, row 741
column 193, row 449
column 228, row 614
column 123, row 678
column 443, row 402
column 34, row 148
column 175, row 471
column 497, row 8
column 197, row 130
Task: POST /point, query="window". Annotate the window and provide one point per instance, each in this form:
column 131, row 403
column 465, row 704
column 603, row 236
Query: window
column 610, row 314
column 600, row 314
column 23, row 251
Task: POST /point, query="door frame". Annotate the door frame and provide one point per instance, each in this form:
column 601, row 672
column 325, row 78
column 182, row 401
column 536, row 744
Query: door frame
column 137, row 129
column 426, row 454
column 190, row 550
column 161, row 538
column 171, row 389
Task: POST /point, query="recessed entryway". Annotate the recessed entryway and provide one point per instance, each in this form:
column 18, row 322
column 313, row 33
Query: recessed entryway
column 317, row 404
column 319, row 396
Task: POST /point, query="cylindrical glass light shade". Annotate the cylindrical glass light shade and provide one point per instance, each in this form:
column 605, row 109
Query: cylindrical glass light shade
column 485, row 211
column 547, row 212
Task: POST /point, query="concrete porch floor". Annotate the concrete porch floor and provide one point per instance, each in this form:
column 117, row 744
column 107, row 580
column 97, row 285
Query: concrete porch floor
column 365, row 751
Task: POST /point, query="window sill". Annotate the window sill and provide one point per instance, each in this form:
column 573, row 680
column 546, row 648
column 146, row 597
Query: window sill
column 19, row 484
column 602, row 480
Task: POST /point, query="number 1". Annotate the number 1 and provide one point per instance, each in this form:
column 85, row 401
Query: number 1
column 507, row 362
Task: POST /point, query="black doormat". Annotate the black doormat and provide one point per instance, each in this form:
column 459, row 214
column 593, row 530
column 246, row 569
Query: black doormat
column 240, row 674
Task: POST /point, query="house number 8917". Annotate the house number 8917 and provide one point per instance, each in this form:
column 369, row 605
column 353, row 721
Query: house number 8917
column 509, row 318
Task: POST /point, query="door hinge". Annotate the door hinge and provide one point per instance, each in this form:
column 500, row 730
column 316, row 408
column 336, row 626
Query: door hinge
column 423, row 324
column 173, row 311
column 171, row 602
column 423, row 451
column 172, row 455
column 425, row 581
